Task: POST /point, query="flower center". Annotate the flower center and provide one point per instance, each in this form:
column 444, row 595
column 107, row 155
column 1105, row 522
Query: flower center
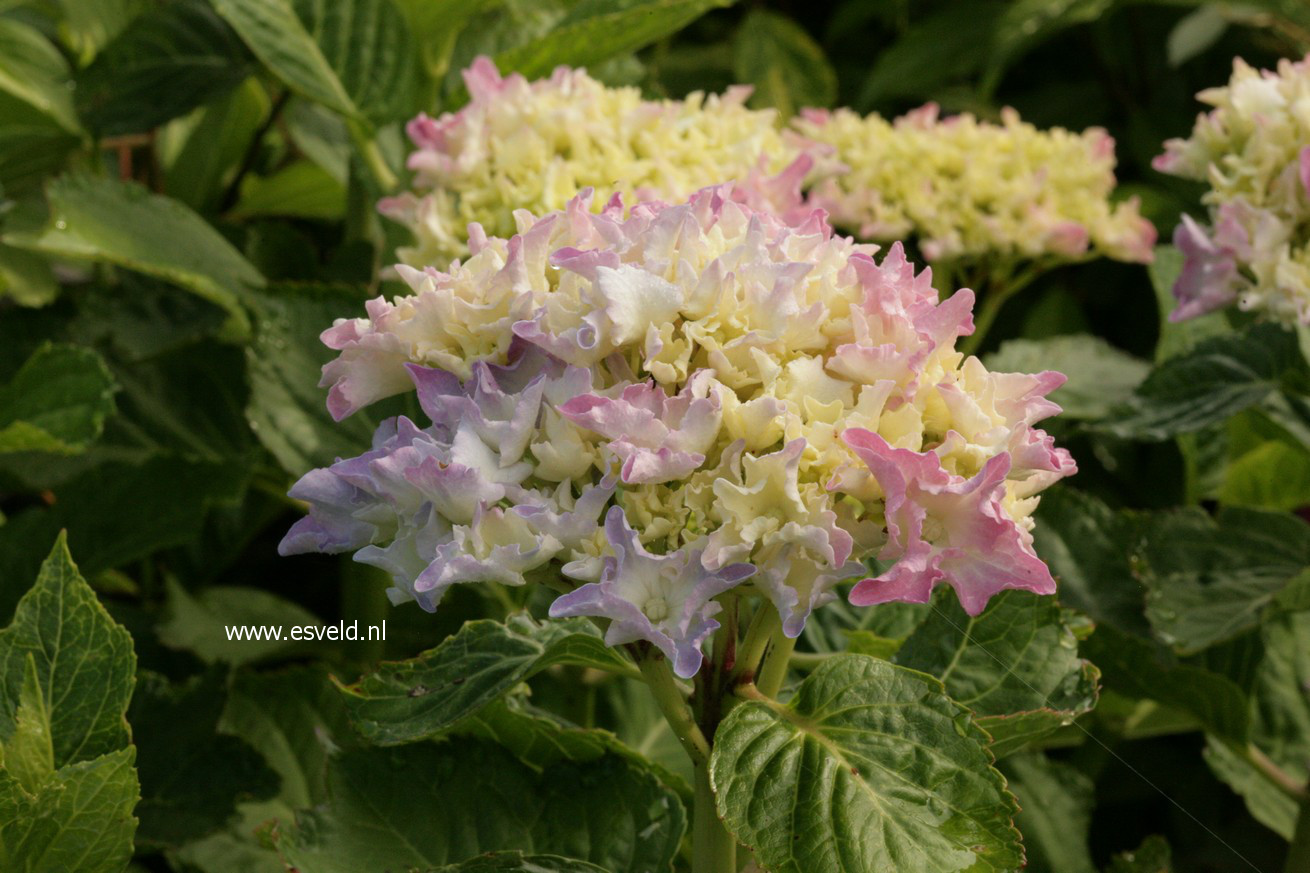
column 656, row 609
column 933, row 530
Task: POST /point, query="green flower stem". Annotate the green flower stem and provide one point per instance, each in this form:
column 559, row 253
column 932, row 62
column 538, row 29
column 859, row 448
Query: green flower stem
column 659, row 677
column 1280, row 778
column 371, row 154
column 774, row 671
column 713, row 849
column 763, row 625
column 1298, row 855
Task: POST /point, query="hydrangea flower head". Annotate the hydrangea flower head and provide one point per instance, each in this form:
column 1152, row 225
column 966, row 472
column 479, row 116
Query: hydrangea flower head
column 678, row 402
column 965, row 188
column 534, row 145
column 1253, row 150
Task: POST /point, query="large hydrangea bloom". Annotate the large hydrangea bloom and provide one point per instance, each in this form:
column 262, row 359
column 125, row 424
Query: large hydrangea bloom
column 534, row 145
column 1253, row 149
column 668, row 403
column 968, row 189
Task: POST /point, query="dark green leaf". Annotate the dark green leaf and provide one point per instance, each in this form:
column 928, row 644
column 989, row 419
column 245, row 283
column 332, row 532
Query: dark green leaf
column 57, row 402
column 299, row 190
column 1217, row 378
column 1142, row 670
column 423, row 697
column 786, row 66
column 948, row 45
column 1100, row 375
column 463, row 798
column 191, row 776
column 1267, row 803
column 595, row 30
column 199, row 623
column 1209, row 579
column 870, row 767
column 83, row 661
column 215, row 145
column 34, row 71
column 1015, row 665
column 287, row 410
column 1152, row 856
column 1274, row 475
column 88, row 27
column 169, row 60
column 517, row 862
column 122, row 223
column 1055, row 802
column 25, row 278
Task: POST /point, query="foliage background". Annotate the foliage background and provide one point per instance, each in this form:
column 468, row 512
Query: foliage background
column 160, row 355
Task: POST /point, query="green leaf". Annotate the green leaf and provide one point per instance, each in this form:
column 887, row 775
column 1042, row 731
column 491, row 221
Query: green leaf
column 1055, row 802
column 870, row 767
column 1089, row 547
column 80, row 819
column 214, row 141
column 83, row 663
column 191, row 776
column 34, row 71
column 950, row 44
column 1280, row 720
column 1273, row 475
column 287, row 409
column 299, row 190
column 1195, row 33
column 596, row 30
column 1209, row 579
column 411, row 700
column 1267, row 803
column 25, row 278
column 787, row 67
column 370, row 50
column 199, row 623
column 1142, row 670
column 169, row 60
column 355, row 57
column 1100, row 375
column 277, row 36
column 462, row 798
column 1015, row 665
column 1028, row 22
column 295, row 719
column 517, row 862
column 88, row 27
column 539, row 739
column 1218, row 378
column 122, row 223
column 57, row 402
column 29, row 755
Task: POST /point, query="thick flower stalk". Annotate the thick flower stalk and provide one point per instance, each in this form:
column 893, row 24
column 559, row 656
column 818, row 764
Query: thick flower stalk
column 534, row 145
column 1253, row 149
column 659, row 407
column 967, row 189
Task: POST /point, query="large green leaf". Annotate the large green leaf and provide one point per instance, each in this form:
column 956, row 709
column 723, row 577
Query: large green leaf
column 1055, row 802
column 213, row 143
column 1143, row 670
column 1100, row 375
column 169, row 60
column 200, row 623
column 1015, row 665
column 357, row 57
column 870, row 767
column 33, row 146
column 1273, row 475
column 191, row 776
column 34, row 71
column 952, row 43
column 299, row 190
column 1217, row 378
column 517, row 862
column 83, row 660
column 464, row 797
column 411, row 700
column 1209, row 579
column 122, row 223
column 88, row 27
column 787, row 67
column 80, row 818
column 1267, row 803
column 287, row 409
column 595, row 30
column 25, row 278
column 57, row 402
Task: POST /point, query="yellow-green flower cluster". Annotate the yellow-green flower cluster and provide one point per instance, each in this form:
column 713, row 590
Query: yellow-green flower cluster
column 1254, row 151
column 965, row 188
column 534, row 145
